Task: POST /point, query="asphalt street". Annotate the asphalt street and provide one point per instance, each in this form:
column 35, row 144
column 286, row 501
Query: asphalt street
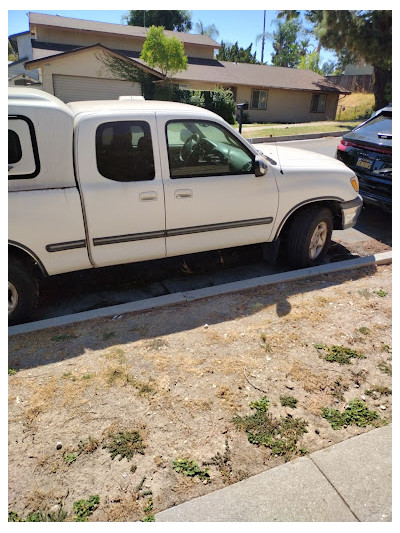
column 86, row 290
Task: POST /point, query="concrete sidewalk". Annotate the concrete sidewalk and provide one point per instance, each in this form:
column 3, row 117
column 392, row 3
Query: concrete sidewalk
column 348, row 482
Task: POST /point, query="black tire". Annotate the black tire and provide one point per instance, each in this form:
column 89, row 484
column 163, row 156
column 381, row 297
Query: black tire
column 22, row 292
column 309, row 237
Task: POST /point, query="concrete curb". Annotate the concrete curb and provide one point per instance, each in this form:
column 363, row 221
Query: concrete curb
column 255, row 140
column 207, row 292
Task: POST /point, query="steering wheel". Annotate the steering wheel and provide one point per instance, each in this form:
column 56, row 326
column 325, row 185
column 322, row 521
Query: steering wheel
column 189, row 147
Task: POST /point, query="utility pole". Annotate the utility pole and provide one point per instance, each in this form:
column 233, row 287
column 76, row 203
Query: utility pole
column 263, row 40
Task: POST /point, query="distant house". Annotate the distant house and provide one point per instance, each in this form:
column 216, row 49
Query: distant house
column 17, row 74
column 356, row 77
column 65, row 51
column 358, row 69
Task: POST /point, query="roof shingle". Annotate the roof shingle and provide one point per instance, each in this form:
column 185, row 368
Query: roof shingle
column 119, row 29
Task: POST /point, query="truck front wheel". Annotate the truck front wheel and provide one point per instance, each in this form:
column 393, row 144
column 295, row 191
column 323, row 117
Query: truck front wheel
column 309, row 237
column 22, row 292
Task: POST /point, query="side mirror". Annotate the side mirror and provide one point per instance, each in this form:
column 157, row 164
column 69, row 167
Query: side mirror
column 260, row 166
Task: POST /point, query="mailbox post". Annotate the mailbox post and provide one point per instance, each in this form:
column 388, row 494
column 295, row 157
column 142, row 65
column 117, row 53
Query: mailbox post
column 241, row 107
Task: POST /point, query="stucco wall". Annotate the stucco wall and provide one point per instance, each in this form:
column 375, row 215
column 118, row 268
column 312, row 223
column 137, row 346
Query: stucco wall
column 79, row 64
column 282, row 105
column 287, row 106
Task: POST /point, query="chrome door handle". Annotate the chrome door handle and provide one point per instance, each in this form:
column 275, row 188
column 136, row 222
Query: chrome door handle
column 148, row 196
column 183, row 193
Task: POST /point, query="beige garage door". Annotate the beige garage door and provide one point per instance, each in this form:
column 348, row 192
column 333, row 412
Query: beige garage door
column 77, row 88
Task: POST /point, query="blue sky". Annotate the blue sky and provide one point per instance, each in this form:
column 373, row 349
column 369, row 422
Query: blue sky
column 233, row 25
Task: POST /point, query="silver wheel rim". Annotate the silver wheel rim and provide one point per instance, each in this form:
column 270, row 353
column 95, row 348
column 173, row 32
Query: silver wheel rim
column 318, row 240
column 12, row 298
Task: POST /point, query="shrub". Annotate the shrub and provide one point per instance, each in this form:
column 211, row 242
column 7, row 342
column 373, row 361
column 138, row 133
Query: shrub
column 219, row 101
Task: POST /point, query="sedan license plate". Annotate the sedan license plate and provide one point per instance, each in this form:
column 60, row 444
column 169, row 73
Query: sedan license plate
column 364, row 163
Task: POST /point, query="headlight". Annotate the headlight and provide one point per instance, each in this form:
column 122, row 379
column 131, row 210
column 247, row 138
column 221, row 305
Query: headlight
column 354, row 183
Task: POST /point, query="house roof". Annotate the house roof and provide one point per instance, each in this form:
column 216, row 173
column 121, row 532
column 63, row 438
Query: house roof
column 265, row 76
column 55, row 55
column 118, row 29
column 212, row 71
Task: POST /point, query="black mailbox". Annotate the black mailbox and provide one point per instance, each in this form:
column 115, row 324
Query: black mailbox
column 241, row 107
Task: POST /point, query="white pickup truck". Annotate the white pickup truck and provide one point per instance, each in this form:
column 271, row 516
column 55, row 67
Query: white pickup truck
column 94, row 184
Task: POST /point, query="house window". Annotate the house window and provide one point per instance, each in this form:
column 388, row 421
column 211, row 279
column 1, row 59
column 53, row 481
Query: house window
column 318, row 103
column 124, row 151
column 259, row 99
column 198, row 149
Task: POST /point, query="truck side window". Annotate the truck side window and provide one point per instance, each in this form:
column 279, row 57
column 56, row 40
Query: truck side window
column 23, row 156
column 124, row 151
column 199, row 148
column 14, row 148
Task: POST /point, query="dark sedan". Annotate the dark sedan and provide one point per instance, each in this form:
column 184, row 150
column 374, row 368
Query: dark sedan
column 368, row 151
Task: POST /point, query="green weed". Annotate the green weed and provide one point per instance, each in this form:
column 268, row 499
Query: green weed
column 222, row 462
column 385, row 348
column 386, row 368
column 378, row 389
column 364, row 331
column 280, row 435
column 288, row 401
column 356, row 413
column 69, row 458
column 88, row 446
column 190, row 468
column 84, row 508
column 381, row 293
column 11, row 371
column 337, row 389
column 39, row 516
column 267, row 347
column 60, row 338
column 108, row 335
column 261, row 405
column 125, row 444
column 339, row 354
column 149, row 518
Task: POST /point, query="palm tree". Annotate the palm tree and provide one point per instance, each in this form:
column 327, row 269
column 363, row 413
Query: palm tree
column 209, row 30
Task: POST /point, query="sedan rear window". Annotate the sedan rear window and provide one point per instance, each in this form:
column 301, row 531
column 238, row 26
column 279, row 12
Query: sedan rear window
column 382, row 123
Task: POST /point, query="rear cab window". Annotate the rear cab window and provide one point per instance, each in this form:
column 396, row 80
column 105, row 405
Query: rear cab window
column 124, row 151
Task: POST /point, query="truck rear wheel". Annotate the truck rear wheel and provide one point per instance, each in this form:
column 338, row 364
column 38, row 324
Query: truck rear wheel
column 22, row 292
column 309, row 237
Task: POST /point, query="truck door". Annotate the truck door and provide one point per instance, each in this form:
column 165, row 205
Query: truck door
column 119, row 175
column 212, row 197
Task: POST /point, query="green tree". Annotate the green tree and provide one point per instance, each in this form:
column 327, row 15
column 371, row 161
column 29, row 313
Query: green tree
column 310, row 62
column 328, row 68
column 125, row 69
column 12, row 55
column 165, row 53
column 313, row 17
column 287, row 51
column 232, row 52
column 367, row 35
column 178, row 20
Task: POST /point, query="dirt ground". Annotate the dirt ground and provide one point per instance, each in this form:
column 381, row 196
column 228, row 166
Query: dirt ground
column 175, row 379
